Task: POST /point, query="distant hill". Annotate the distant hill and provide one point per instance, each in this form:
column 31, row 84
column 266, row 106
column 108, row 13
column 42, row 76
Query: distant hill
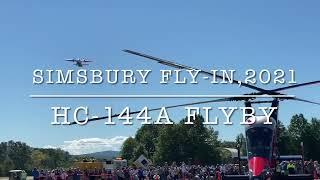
column 102, row 155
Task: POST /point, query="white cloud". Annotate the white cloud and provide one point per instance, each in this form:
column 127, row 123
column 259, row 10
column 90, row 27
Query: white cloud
column 90, row 145
column 50, row 147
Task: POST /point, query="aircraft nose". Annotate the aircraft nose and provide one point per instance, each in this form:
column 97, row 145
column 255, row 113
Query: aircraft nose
column 257, row 165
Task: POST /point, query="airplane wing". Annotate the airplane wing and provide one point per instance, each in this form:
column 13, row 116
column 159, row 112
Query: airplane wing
column 281, row 158
column 235, row 177
column 290, row 157
column 244, row 158
column 288, row 177
column 86, row 61
column 71, row 60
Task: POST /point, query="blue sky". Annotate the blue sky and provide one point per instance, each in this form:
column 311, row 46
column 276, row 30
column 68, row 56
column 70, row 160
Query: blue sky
column 220, row 34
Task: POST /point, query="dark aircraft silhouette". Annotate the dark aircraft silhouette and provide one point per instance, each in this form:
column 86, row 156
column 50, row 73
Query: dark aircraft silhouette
column 80, row 62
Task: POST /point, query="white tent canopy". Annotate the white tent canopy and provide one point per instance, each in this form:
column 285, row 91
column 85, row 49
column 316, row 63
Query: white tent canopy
column 234, row 152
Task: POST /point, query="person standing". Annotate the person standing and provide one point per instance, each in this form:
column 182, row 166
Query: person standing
column 291, row 167
column 35, row 174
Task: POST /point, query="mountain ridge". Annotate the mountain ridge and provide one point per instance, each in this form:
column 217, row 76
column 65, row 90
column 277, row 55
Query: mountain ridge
column 102, row 154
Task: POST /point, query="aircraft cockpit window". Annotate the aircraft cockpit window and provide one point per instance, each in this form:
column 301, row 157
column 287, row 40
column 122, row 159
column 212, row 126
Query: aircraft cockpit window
column 259, row 141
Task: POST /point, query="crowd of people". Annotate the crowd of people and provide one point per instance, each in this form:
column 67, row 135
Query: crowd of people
column 170, row 172
column 299, row 167
column 166, row 172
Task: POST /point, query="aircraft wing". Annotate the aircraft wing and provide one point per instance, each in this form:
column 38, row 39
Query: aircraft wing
column 290, row 157
column 299, row 176
column 86, row 61
column 281, row 158
column 243, row 158
column 71, row 60
column 289, row 177
column 235, row 177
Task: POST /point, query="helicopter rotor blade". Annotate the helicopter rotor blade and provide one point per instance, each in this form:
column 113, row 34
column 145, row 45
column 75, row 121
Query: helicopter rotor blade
column 275, row 91
column 296, row 85
column 303, row 100
column 181, row 66
column 202, row 102
column 170, row 107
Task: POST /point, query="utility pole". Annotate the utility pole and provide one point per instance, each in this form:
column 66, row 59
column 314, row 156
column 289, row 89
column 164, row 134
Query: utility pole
column 302, row 153
column 239, row 159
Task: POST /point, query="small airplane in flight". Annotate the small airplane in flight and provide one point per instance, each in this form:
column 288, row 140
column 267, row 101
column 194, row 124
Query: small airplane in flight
column 80, row 62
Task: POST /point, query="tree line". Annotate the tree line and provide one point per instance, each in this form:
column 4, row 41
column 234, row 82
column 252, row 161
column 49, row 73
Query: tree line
column 18, row 155
column 199, row 144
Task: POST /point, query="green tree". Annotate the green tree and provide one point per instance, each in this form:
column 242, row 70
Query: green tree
column 139, row 150
column 8, row 165
column 147, row 136
column 241, row 140
column 226, row 156
column 128, row 148
column 20, row 154
column 181, row 142
column 285, row 146
column 3, row 151
column 312, row 145
column 228, row 144
column 298, row 132
column 38, row 158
